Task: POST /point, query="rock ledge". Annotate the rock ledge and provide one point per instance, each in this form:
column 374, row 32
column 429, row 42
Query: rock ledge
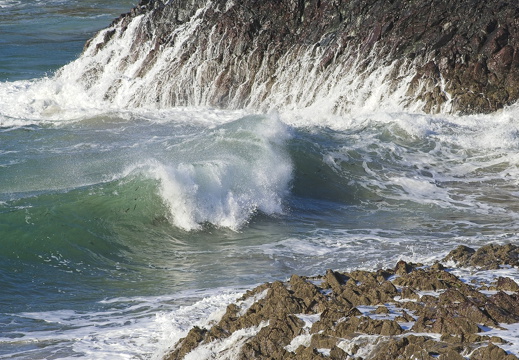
column 409, row 312
column 460, row 56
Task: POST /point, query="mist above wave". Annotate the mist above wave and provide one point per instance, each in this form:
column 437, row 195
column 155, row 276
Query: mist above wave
column 237, row 170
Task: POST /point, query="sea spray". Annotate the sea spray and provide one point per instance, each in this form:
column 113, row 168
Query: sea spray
column 171, row 54
column 227, row 176
column 238, row 52
column 128, row 67
column 96, row 261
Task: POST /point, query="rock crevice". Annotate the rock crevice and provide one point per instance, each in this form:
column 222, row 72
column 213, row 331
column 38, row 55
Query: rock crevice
column 460, row 56
column 386, row 314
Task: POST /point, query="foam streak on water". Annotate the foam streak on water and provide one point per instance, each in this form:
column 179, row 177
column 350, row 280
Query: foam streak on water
column 128, row 328
column 124, row 221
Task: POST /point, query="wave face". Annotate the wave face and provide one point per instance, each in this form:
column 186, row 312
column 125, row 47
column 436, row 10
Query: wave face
column 125, row 220
column 220, row 176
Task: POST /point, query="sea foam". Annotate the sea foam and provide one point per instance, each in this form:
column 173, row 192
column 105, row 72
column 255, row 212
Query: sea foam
column 228, row 175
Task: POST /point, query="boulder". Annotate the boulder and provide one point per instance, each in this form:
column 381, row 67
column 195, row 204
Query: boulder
column 490, row 256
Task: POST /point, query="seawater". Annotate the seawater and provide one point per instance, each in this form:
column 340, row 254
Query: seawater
column 120, row 228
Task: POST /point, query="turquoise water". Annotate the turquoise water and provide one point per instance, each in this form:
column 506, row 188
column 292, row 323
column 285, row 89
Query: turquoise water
column 120, row 228
column 38, row 36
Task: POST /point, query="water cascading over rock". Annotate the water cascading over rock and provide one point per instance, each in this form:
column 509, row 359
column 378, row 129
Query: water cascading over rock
column 335, row 56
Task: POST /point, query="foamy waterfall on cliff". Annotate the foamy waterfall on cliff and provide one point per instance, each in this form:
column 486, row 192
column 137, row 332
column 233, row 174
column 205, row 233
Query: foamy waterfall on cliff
column 131, row 65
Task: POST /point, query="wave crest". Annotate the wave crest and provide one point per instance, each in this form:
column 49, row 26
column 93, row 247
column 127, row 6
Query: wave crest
column 239, row 169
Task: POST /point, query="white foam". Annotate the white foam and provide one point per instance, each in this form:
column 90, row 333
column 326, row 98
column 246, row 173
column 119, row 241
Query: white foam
column 5, row 4
column 510, row 335
column 140, row 327
column 464, row 163
column 66, row 96
column 365, row 344
column 422, row 191
column 243, row 170
column 226, row 349
column 247, row 303
column 305, row 338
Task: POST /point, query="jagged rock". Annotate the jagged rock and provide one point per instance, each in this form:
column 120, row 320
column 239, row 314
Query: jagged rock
column 491, row 352
column 463, row 54
column 381, row 310
column 460, row 255
column 191, row 341
column 437, row 266
column 458, row 312
column 503, row 308
column 451, row 355
column 364, row 288
column 412, row 347
column 408, row 293
column 334, row 281
column 444, row 325
column 417, row 347
column 367, row 325
column 392, row 349
column 402, row 268
column 450, row 296
column 312, row 298
column 354, row 295
column 330, row 317
column 405, row 317
column 307, row 353
column 271, row 340
column 321, row 341
column 472, row 312
column 428, row 280
column 492, row 256
column 486, row 257
column 507, row 284
column 336, row 353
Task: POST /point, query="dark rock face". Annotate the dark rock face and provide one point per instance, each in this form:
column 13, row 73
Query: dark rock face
column 487, row 257
column 459, row 56
column 457, row 311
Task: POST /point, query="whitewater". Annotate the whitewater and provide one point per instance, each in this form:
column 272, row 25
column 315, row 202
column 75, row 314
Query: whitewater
column 124, row 221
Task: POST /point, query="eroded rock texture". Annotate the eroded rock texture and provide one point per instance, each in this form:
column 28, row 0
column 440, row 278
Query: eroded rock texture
column 387, row 314
column 439, row 55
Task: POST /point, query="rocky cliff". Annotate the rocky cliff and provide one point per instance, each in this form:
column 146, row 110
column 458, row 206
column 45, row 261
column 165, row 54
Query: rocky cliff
column 440, row 55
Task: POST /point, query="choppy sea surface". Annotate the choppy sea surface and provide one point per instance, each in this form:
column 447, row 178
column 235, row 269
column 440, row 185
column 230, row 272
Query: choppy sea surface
column 121, row 228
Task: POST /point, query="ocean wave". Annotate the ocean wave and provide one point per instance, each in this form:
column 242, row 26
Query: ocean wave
column 237, row 170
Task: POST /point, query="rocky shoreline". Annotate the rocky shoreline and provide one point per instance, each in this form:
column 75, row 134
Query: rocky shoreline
column 435, row 56
column 409, row 312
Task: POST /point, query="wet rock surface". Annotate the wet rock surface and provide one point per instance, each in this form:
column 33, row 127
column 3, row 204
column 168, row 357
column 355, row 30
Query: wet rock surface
column 409, row 312
column 487, row 257
column 463, row 56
